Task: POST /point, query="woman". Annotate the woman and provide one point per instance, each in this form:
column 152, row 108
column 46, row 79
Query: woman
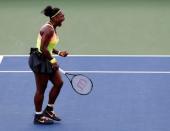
column 45, row 67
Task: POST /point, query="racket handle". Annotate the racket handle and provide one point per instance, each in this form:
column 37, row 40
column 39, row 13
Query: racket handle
column 62, row 71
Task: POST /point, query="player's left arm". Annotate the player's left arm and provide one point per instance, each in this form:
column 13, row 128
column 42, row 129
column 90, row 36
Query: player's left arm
column 60, row 53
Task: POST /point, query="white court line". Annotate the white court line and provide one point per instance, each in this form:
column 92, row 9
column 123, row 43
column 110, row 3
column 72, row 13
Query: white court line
column 102, row 72
column 99, row 72
column 121, row 72
column 1, row 58
column 98, row 55
column 12, row 71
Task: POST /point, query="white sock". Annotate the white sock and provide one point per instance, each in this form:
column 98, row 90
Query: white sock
column 38, row 113
column 51, row 105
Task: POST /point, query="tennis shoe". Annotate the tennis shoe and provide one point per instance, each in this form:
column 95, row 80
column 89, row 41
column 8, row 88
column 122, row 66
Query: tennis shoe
column 42, row 120
column 52, row 115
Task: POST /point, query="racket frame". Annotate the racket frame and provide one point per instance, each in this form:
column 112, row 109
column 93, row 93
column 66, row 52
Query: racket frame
column 74, row 75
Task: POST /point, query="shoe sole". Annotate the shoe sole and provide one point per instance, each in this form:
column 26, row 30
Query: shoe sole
column 39, row 123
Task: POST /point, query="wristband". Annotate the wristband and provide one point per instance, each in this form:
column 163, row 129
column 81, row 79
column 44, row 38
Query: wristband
column 58, row 52
column 52, row 61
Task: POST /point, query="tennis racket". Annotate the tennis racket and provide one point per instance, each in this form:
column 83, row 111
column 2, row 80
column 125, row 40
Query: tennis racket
column 80, row 83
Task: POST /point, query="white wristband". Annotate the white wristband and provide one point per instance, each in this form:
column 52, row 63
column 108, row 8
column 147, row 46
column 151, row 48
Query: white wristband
column 52, row 61
column 59, row 52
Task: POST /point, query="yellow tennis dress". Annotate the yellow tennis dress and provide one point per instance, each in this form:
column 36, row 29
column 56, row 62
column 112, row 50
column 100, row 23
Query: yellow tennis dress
column 52, row 43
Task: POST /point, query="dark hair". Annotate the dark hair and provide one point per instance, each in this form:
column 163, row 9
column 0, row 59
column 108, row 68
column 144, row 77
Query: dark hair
column 49, row 11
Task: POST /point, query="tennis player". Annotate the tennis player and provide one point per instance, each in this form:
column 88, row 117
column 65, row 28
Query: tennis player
column 45, row 66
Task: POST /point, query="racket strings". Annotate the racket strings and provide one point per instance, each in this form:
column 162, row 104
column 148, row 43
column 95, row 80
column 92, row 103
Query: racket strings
column 82, row 84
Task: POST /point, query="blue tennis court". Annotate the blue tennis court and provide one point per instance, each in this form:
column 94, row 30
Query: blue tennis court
column 131, row 93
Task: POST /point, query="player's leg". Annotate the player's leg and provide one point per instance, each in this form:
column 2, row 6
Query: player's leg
column 55, row 90
column 41, row 85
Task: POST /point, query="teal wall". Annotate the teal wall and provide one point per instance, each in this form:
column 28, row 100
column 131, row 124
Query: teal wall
column 91, row 26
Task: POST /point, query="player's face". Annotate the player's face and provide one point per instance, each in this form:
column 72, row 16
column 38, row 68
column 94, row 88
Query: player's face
column 59, row 18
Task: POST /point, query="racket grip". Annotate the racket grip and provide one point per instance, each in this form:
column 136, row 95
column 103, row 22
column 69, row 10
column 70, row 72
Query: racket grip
column 62, row 71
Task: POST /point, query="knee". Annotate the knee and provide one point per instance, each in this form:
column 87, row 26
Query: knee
column 59, row 84
column 39, row 93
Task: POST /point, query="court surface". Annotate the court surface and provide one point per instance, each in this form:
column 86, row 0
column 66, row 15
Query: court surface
column 131, row 93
